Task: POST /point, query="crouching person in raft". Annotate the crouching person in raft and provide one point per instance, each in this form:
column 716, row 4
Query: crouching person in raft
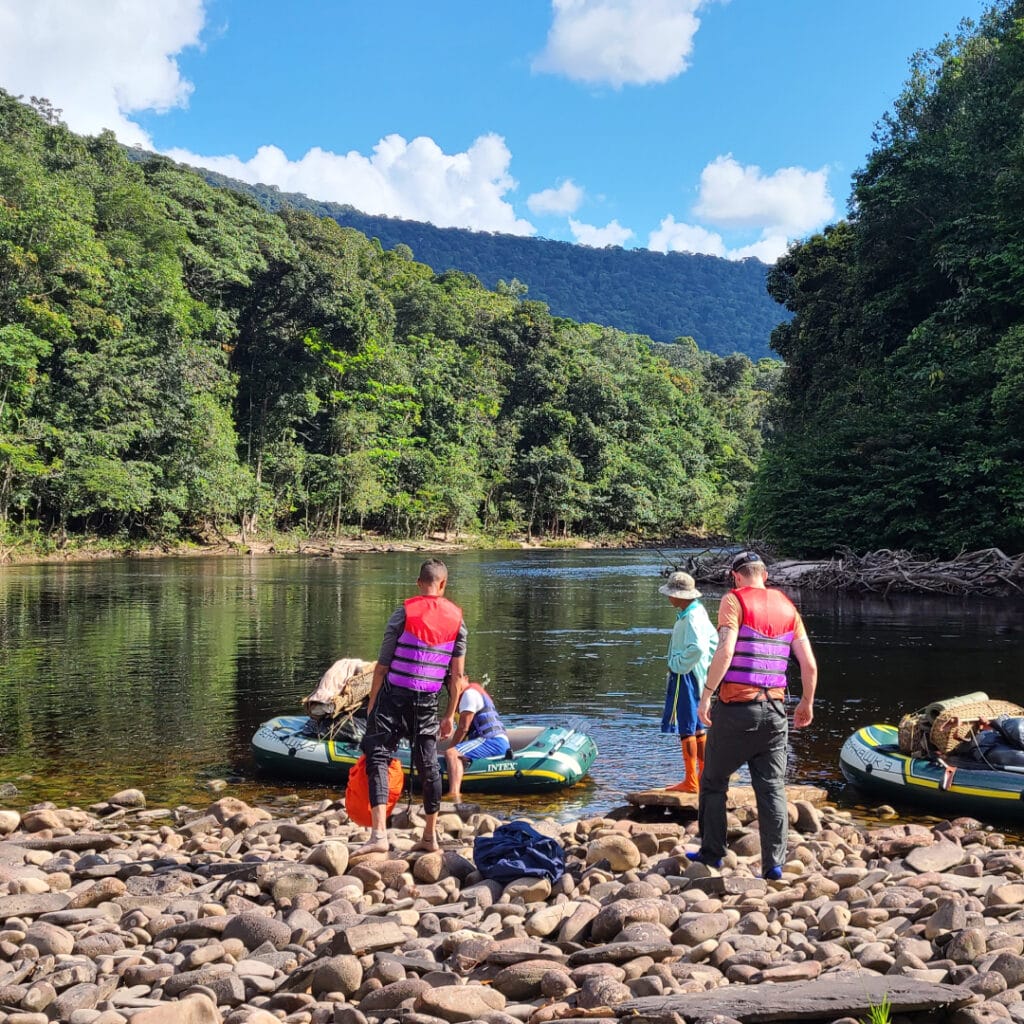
column 424, row 644
column 479, row 734
column 689, row 655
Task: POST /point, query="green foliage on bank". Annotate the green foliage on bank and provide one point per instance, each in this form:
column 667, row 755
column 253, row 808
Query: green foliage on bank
column 901, row 413
column 720, row 303
column 177, row 361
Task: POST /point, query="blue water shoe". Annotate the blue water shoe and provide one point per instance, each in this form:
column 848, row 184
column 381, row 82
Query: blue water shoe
column 699, row 858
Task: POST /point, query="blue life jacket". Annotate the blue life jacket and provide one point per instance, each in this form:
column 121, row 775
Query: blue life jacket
column 486, row 722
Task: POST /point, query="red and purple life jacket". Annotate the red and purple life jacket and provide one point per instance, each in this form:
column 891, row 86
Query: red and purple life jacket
column 424, row 650
column 764, row 640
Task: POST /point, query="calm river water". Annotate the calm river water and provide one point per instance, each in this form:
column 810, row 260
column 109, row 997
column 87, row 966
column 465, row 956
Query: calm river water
column 156, row 673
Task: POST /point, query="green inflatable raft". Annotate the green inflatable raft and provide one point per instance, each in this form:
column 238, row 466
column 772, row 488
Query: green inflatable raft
column 540, row 758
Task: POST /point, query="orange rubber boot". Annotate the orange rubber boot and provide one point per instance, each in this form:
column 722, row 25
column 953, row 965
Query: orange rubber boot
column 702, row 742
column 691, row 783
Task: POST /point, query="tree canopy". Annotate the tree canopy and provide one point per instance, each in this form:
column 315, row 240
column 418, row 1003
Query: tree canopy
column 720, row 303
column 175, row 359
column 900, row 419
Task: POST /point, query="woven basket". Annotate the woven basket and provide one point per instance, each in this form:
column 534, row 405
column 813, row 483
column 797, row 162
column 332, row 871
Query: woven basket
column 960, row 724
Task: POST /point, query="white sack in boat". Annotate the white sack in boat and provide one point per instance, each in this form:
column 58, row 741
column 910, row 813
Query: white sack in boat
column 342, row 688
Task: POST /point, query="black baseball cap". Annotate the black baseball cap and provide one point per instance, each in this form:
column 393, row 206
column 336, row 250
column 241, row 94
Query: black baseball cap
column 745, row 558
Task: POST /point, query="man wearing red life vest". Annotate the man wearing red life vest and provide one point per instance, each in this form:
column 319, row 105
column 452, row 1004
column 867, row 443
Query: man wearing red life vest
column 424, row 647
column 758, row 629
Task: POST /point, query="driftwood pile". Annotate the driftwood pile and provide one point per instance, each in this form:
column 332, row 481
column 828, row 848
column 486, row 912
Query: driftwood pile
column 990, row 572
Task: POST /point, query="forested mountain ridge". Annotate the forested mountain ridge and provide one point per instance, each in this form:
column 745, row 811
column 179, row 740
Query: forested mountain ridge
column 176, row 359
column 722, row 304
column 900, row 420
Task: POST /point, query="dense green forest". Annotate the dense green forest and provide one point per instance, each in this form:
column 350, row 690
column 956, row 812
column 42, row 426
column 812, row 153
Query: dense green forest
column 722, row 304
column 901, row 412
column 176, row 360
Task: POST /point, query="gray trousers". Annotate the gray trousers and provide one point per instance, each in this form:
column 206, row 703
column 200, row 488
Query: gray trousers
column 756, row 735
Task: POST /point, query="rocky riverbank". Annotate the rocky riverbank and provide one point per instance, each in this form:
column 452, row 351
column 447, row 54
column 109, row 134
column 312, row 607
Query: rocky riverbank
column 237, row 913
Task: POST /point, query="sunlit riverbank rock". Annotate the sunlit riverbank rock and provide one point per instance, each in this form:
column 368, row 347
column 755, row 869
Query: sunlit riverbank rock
column 236, row 913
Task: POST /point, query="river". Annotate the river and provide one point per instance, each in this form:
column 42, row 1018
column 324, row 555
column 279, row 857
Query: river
column 156, row 673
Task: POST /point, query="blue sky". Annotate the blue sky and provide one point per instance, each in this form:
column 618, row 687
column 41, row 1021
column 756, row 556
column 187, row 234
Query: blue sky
column 700, row 125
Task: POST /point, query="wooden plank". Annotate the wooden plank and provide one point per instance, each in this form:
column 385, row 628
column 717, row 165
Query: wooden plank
column 739, row 796
column 839, row 995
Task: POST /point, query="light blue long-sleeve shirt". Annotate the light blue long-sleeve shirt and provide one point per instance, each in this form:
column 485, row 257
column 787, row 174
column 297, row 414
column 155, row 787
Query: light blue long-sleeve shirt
column 693, row 643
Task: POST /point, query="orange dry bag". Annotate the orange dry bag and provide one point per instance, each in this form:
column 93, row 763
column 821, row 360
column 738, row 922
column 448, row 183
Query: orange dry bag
column 357, row 792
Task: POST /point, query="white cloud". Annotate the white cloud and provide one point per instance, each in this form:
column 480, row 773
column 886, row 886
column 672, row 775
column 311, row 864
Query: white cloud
column 793, row 200
column 768, row 248
column 613, row 233
column 674, row 237
column 780, row 206
column 416, row 180
column 99, row 60
column 562, row 200
column 620, row 42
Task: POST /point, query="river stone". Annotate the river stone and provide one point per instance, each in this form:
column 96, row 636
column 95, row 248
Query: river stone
column 804, row 971
column 43, row 818
column 244, row 820
column 622, row 952
column 98, row 944
column 332, row 856
column 949, row 917
column 577, row 925
column 192, row 1009
column 598, row 990
column 371, row 937
column 308, row 834
column 27, row 905
column 391, row 996
column 133, row 798
column 49, row 939
column 834, row 920
column 545, row 921
column 620, row 851
column 9, row 822
column 39, row 996
column 459, row 1002
column 700, row 928
column 226, row 807
column 1011, row 967
column 966, row 946
column 177, row 984
column 941, row 856
column 522, row 980
column 529, row 890
column 614, row 917
column 254, row 928
column 83, row 996
column 103, row 891
column 338, row 974
column 295, row 883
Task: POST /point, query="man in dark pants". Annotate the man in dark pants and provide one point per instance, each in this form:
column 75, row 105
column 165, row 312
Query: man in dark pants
column 758, row 629
column 424, row 645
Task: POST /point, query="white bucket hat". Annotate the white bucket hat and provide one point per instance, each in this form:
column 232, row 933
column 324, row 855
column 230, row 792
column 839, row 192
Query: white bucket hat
column 680, row 584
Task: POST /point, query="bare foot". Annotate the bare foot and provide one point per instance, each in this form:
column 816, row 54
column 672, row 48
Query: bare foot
column 427, row 844
column 686, row 786
column 371, row 846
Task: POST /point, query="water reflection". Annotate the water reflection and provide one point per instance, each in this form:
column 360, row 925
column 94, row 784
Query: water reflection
column 156, row 673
